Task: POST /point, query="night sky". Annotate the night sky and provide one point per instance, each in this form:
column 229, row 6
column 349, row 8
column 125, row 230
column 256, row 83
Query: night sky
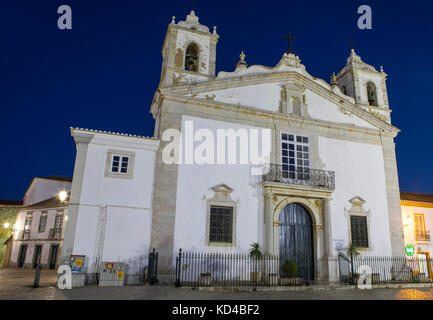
column 103, row 73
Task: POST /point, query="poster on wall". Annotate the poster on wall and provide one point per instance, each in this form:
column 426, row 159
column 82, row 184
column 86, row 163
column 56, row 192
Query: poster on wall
column 77, row 263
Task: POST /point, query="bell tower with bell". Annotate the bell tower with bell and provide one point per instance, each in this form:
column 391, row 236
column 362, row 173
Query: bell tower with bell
column 189, row 52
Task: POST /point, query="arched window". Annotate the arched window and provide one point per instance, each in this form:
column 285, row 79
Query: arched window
column 371, row 94
column 191, row 57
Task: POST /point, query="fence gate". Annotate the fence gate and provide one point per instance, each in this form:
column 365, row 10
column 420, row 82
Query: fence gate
column 152, row 270
column 344, row 268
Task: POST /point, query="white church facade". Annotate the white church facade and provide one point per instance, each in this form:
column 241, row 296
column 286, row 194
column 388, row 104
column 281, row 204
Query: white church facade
column 332, row 175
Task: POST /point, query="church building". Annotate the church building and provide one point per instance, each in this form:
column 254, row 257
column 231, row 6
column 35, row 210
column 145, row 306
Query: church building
column 330, row 179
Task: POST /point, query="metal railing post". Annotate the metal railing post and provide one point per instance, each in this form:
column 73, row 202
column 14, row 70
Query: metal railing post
column 178, row 263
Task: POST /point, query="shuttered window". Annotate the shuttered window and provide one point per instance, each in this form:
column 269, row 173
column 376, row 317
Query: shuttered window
column 221, row 224
column 358, row 225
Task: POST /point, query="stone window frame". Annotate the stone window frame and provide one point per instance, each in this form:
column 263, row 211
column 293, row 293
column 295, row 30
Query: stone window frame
column 358, row 209
column 376, row 95
column 108, row 164
column 295, row 143
column 221, row 199
column 199, row 58
column 366, row 226
column 44, row 214
column 29, row 216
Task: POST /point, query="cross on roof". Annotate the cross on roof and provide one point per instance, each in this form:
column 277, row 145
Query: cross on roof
column 289, row 39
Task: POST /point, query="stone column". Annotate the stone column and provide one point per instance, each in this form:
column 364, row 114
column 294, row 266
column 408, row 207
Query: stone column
column 267, row 221
column 164, row 199
column 330, row 252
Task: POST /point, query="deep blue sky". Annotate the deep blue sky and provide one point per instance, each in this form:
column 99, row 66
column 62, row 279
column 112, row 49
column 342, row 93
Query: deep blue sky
column 102, row 74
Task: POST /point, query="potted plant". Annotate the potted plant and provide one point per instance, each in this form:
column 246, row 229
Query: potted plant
column 290, row 273
column 255, row 255
column 352, row 250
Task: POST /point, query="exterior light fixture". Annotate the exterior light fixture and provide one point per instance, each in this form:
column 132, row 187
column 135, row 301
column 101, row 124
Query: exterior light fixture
column 6, row 225
column 63, row 195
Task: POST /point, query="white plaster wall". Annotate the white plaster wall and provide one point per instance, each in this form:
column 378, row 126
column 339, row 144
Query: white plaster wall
column 43, row 189
column 322, row 109
column 127, row 203
column 263, row 96
column 359, row 171
column 194, row 188
column 267, row 97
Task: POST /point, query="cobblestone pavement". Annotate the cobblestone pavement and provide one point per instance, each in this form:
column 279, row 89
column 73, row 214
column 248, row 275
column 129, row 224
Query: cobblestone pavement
column 17, row 284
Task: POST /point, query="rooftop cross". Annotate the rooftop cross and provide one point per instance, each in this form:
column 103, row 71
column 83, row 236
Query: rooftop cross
column 289, row 39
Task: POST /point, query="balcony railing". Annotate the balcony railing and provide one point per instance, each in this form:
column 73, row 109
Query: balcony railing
column 55, row 233
column 423, row 236
column 300, row 176
column 24, row 235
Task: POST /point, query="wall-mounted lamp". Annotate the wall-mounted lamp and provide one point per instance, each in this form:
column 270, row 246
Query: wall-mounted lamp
column 63, row 195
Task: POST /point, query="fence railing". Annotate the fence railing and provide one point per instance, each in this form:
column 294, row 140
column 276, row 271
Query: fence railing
column 386, row 269
column 195, row 269
column 24, row 235
column 300, row 176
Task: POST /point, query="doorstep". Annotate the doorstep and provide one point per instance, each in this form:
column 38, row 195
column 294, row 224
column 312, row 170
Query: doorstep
column 311, row 287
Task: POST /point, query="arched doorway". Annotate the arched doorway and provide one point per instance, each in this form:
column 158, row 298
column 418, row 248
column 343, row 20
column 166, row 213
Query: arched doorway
column 296, row 240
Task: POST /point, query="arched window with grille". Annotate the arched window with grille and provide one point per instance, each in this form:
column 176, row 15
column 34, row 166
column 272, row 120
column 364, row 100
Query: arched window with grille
column 371, row 94
column 191, row 57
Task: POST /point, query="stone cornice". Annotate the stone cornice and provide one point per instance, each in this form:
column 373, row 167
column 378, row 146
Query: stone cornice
column 219, row 84
column 274, row 115
column 114, row 139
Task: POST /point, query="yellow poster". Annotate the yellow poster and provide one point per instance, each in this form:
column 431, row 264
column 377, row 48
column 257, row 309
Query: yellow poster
column 119, row 274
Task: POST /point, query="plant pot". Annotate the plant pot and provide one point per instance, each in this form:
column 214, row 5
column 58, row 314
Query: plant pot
column 291, row 281
column 204, row 279
column 255, row 276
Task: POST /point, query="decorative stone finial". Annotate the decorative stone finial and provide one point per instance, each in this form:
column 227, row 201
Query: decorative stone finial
column 242, row 56
column 241, row 63
column 214, row 30
column 381, row 69
column 333, row 79
column 192, row 13
column 172, row 20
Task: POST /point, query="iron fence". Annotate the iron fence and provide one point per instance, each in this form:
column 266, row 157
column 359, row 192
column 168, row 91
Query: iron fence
column 196, row 269
column 382, row 269
column 300, row 176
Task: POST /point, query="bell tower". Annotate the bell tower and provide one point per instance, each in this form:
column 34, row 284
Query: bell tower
column 189, row 52
column 363, row 82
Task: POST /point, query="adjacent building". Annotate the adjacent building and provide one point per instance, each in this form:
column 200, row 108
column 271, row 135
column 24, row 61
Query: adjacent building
column 38, row 230
column 417, row 217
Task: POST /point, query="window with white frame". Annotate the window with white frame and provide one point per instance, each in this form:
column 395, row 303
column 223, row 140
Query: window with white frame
column 295, row 156
column 119, row 164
